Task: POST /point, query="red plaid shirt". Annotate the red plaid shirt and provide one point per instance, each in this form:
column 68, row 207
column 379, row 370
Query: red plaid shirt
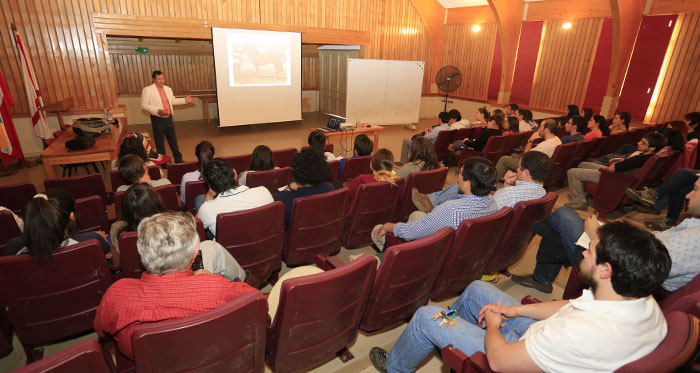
column 131, row 302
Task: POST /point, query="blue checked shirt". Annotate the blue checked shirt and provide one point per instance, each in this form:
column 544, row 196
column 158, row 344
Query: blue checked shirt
column 521, row 191
column 432, row 135
column 447, row 214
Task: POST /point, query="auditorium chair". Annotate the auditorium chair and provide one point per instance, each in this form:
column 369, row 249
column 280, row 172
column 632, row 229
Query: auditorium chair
column 315, row 227
column 443, row 139
column 86, row 356
column 81, row 186
column 9, row 229
column 374, row 204
column 614, row 142
column 319, row 315
column 472, row 247
column 192, row 190
column 583, row 148
column 51, row 300
column 609, row 192
column 117, row 180
column 356, row 166
column 495, row 147
column 229, row 338
column 91, row 215
column 334, row 166
column 561, row 131
column 684, row 299
column 239, row 163
column 517, row 141
column 467, row 133
column 167, row 193
column 327, row 148
column 129, row 255
column 560, row 159
column 258, row 247
column 600, row 144
column 283, row 157
column 516, row 236
column 270, row 179
column 177, row 170
column 16, row 196
column 426, row 182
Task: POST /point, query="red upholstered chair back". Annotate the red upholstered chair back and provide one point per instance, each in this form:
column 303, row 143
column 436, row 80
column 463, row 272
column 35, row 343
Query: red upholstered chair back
column 50, row 300
column 472, row 247
column 86, row 356
column 675, row 350
column 9, row 229
column 16, row 196
column 560, row 159
column 335, row 169
column 516, row 140
column 356, row 166
column 374, row 204
column 129, row 254
column 178, row 170
column 258, row 247
column 319, row 315
column 316, row 226
column 517, row 235
column 443, row 139
column 239, row 163
column 192, row 190
column 600, row 144
column 404, row 279
column 230, row 338
column 270, row 179
column 426, row 182
column 167, row 193
column 496, row 146
column 684, row 299
column 283, row 157
column 583, row 148
column 91, row 215
column 117, row 180
column 614, row 142
column 653, row 170
column 80, row 186
column 464, row 133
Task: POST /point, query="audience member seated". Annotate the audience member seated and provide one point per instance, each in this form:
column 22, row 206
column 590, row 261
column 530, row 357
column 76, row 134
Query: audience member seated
column 131, row 145
column 493, row 128
column 133, row 170
column 317, row 141
column 49, row 225
column 421, row 157
column 310, row 173
column 620, row 123
column 548, row 131
column 576, row 126
column 587, row 113
column 692, row 120
column 204, row 152
column 362, row 146
column 226, row 195
column 457, row 121
column 478, row 177
column 525, row 122
column 144, row 139
column 615, row 323
column 511, row 110
column 512, row 126
column 481, row 118
column 597, row 128
column 589, row 171
column 18, row 220
column 431, row 134
column 382, row 170
column 169, row 289
column 260, row 160
column 572, row 110
column 671, row 192
column 525, row 184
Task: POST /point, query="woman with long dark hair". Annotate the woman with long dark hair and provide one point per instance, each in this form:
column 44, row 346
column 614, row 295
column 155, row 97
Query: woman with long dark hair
column 204, row 152
column 421, row 157
column 261, row 160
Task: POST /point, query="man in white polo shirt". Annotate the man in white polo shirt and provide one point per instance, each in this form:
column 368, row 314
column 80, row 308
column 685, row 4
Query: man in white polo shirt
column 547, row 131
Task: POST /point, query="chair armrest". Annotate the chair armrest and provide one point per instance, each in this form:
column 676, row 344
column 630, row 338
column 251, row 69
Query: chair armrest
column 479, row 363
column 459, row 362
column 326, row 263
column 529, row 300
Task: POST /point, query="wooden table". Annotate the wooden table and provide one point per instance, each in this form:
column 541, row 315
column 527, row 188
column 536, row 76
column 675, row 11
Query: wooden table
column 369, row 131
column 105, row 148
column 205, row 106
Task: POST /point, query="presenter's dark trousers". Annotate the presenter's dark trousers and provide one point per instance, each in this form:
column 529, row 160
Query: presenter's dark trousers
column 165, row 127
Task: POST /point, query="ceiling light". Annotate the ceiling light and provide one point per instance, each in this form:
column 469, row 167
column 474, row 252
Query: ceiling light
column 476, row 28
column 567, row 25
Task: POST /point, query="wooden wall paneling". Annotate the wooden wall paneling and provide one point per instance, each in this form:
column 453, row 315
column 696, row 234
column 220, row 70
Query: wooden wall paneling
column 432, row 14
column 674, row 6
column 509, row 14
column 568, row 10
column 470, row 51
column 470, row 15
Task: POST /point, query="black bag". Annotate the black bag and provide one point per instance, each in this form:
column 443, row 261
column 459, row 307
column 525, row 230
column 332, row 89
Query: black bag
column 80, row 143
column 91, row 127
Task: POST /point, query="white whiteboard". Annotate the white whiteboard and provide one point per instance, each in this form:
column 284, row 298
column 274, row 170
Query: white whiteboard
column 384, row 91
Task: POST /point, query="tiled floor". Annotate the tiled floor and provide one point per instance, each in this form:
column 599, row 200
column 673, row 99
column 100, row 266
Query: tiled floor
column 241, row 140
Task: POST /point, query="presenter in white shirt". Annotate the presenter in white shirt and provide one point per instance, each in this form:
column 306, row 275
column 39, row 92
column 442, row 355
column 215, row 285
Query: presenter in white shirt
column 158, row 99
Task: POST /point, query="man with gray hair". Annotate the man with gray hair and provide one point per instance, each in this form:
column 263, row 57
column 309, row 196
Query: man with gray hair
column 168, row 244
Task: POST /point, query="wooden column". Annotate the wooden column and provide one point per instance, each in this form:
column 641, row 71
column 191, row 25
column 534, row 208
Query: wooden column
column 509, row 15
column 433, row 16
column 626, row 19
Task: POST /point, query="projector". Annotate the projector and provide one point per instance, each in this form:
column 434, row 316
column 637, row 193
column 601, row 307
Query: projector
column 347, row 126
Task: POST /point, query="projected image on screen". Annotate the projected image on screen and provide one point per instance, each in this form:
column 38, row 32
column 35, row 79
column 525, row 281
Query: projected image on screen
column 258, row 60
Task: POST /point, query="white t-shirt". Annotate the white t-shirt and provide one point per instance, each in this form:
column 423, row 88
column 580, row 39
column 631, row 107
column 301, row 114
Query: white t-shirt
column 241, row 198
column 524, row 126
column 459, row 125
column 548, row 146
column 329, row 156
column 589, row 335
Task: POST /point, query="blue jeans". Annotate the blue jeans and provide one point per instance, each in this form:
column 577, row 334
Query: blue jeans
column 423, row 334
column 447, row 194
column 569, row 225
column 673, row 192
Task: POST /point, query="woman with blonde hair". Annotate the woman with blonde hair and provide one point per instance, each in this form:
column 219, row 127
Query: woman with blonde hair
column 382, row 166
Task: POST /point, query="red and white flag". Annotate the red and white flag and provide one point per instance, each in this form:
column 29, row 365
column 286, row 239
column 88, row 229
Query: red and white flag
column 41, row 128
column 9, row 142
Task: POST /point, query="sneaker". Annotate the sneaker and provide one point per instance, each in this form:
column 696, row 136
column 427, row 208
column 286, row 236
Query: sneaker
column 421, row 201
column 660, row 224
column 530, row 282
column 490, row 277
column 379, row 242
column 646, row 196
column 377, row 356
column 577, row 206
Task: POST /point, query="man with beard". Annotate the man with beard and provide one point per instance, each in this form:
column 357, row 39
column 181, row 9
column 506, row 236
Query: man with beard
column 623, row 265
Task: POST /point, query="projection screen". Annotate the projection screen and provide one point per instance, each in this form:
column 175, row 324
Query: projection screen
column 258, row 76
